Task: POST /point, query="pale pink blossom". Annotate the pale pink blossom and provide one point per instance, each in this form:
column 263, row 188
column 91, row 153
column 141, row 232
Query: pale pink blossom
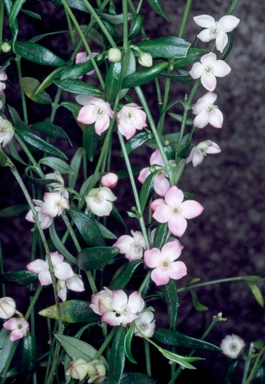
column 6, row 131
column 45, row 221
column 208, row 69
column 232, row 346
column 109, row 180
column 164, row 264
column 75, row 284
column 19, row 328
column 174, row 211
column 99, row 201
column 54, row 204
column 82, row 57
column 129, row 119
column 96, row 111
column 62, row 270
column 7, row 307
column 204, row 148
column 132, row 246
column 207, row 112
column 125, row 309
column 146, row 324
column 3, row 77
column 216, row 29
column 101, row 301
column 161, row 182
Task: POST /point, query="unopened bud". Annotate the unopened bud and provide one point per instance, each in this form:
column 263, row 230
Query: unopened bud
column 109, row 180
column 77, row 369
column 96, row 372
column 7, row 307
column 114, row 55
column 5, row 47
column 145, row 59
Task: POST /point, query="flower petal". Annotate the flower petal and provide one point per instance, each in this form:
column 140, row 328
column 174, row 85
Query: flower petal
column 160, row 276
column 221, row 41
column 205, row 35
column 153, row 257
column 135, row 302
column 174, row 196
column 162, row 213
column 191, row 209
column 177, row 270
column 201, row 120
column 221, row 69
column 177, row 225
column 197, row 70
column 172, row 250
column 216, row 118
column 204, row 21
column 228, row 23
column 209, row 82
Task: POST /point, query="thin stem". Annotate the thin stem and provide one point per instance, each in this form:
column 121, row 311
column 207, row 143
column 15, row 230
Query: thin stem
column 185, row 17
column 105, row 344
column 23, row 97
column 255, row 367
column 145, row 282
column 33, row 301
column 247, row 363
column 2, row 9
column 147, row 358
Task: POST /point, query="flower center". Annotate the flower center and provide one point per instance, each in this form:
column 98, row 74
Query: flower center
column 233, row 347
column 176, row 211
column 143, row 327
column 98, row 199
column 165, row 264
column 100, row 111
column 214, row 31
column 138, row 248
column 208, row 70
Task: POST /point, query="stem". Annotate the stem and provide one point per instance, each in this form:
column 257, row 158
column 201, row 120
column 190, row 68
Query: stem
column 33, row 301
column 105, row 344
column 247, row 363
column 2, row 9
column 147, row 358
column 255, row 367
column 232, row 7
column 8, row 362
column 23, row 97
column 184, row 18
column 144, row 283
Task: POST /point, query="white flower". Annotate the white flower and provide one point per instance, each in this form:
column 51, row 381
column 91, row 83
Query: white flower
column 99, row 201
column 19, row 328
column 146, row 324
column 7, row 307
column 207, row 112
column 216, row 29
column 54, row 204
column 204, row 148
column 232, row 346
column 132, row 246
column 6, row 131
column 45, row 221
column 57, row 187
column 208, row 69
column 75, row 283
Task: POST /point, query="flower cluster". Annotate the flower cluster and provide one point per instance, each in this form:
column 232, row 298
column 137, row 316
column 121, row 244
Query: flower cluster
column 18, row 326
column 78, row 369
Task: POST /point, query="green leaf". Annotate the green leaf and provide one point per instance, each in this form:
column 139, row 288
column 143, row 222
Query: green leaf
column 3, row 158
column 160, row 235
column 96, row 257
column 72, row 107
column 14, row 153
column 78, row 70
column 177, row 339
column 87, row 227
column 157, row 7
column 15, row 11
column 76, row 4
column 256, row 292
column 229, row 377
column 29, row 86
column 129, row 69
column 34, row 15
column 195, row 301
column 49, row 80
column 128, row 342
column 259, row 376
column 125, row 275
column 6, row 346
column 117, row 356
column 28, row 359
column 90, row 141
column 144, row 76
column 114, row 19
column 147, row 189
column 60, row 246
column 18, row 277
column 168, row 47
column 180, row 119
column 113, row 81
column 170, row 294
column 14, row 28
column 193, row 54
column 228, row 47
column 184, row 77
column 181, row 360
column 79, row 87
column 75, row 165
column 51, row 130
column 14, row 210
column 72, row 311
column 136, row 378
column 77, row 349
column 136, row 141
column 57, row 164
column 105, row 232
column 38, row 54
column 136, row 26
column 17, row 122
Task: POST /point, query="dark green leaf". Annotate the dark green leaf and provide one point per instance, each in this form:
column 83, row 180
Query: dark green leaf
column 136, row 26
column 125, row 275
column 260, row 376
column 144, row 76
column 60, row 246
column 29, row 86
column 168, row 47
column 182, row 78
column 72, row 107
column 170, row 294
column 76, row 4
column 106, row 233
column 51, row 130
column 256, row 292
column 113, row 81
column 56, row 164
column 75, row 165
column 48, row 80
column 38, row 54
column 90, row 141
column 193, row 54
column 17, row 5
column 14, row 28
column 114, row 19
column 157, row 7
column 147, row 190
column 228, row 47
column 34, row 15
column 160, row 235
column 196, row 303
column 18, row 278
column 29, row 359
column 14, row 211
column 229, row 377
column 17, row 122
column 136, row 141
column 117, row 356
column 14, row 153
column 34, row 180
column 77, row 70
column 79, row 87
column 128, row 342
column 6, row 346
column 96, row 257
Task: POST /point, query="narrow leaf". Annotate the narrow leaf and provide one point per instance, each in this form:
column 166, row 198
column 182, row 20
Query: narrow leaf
column 113, row 81
column 117, row 356
column 146, row 190
column 169, row 47
column 6, row 346
column 125, row 276
column 157, row 7
column 76, row 348
column 57, row 164
column 14, row 210
column 51, row 130
column 29, row 86
column 256, row 292
column 79, row 87
column 60, row 246
column 160, row 235
column 18, row 277
column 136, row 141
column 38, row 54
column 28, row 359
column 128, row 342
column 96, row 257
column 170, row 294
column 15, row 11
column 196, row 303
column 90, row 141
column 75, row 165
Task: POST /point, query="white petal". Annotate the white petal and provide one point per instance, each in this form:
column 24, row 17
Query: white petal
column 205, row 35
column 204, row 21
column 221, row 69
column 216, row 118
column 221, row 41
column 209, row 81
column 197, row 70
column 228, row 23
column 209, row 58
column 201, row 120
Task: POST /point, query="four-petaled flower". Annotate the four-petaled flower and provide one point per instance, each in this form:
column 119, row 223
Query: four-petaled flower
column 100, row 302
column 45, row 221
column 232, row 346
column 54, row 204
column 132, row 246
column 208, row 69
column 99, row 201
column 146, row 324
column 204, row 148
column 6, row 131
column 96, row 111
column 216, row 29
column 130, row 118
column 174, row 211
column 207, row 112
column 19, row 328
column 164, row 264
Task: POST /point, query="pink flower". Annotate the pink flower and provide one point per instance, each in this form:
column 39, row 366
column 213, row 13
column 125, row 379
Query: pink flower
column 75, row 284
column 174, row 211
column 216, row 29
column 82, row 57
column 207, row 69
column 99, row 201
column 198, row 153
column 62, row 270
column 101, row 301
column 125, row 310
column 19, row 328
column 130, row 118
column 132, row 246
column 54, row 204
column 163, row 263
column 3, row 77
column 96, row 111
column 161, row 182
column 207, row 112
column 6, row 131
column 45, row 221
column 146, row 324
column 109, row 180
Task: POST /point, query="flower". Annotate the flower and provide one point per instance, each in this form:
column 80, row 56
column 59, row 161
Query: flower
column 174, row 211
column 96, row 111
column 82, row 57
column 216, row 29
column 62, row 270
column 3, row 77
column 75, row 284
column 19, row 328
column 100, row 302
column 114, row 55
column 207, row 112
column 109, row 180
column 130, row 118
column 208, row 69
column 161, row 182
column 198, row 153
column 125, row 310
column 99, row 201
column 57, row 187
column 232, row 346
column 6, row 129
column 45, row 221
column 146, row 324
column 164, row 264
column 132, row 246
column 77, row 369
column 54, row 204
column 96, row 372
column 7, row 307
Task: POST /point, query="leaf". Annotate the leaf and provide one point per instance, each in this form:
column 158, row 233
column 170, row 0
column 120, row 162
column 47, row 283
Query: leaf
column 77, row 70
column 28, row 359
column 79, row 87
column 128, row 342
column 113, row 81
column 14, row 28
column 38, row 54
column 256, row 292
column 14, row 210
column 114, row 19
column 170, row 294
column 117, row 356
column 124, row 277
column 105, row 232
column 76, row 349
column 6, row 346
column 72, row 311
column 129, row 69
column 136, row 141
column 76, row 4
column 20, row 278
column 15, row 11
column 168, row 47
column 195, row 301
column 229, row 377
column 144, row 76
column 156, row 7
column 51, row 130
column 49, row 80
column 181, row 360
column 177, row 339
column 90, row 141
column 59, row 245
column 14, row 153
column 87, row 227
column 29, row 86
column 96, row 257
column 160, row 235
column 193, row 54
column 136, row 378
column 75, row 165
column 57, row 164
column 72, row 107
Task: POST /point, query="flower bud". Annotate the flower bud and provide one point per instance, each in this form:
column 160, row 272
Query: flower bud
column 7, row 307
column 145, row 59
column 109, row 180
column 96, row 372
column 77, row 369
column 5, row 47
column 114, row 55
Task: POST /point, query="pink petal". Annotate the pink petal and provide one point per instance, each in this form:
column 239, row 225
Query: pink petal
column 177, row 270
column 216, row 118
column 127, row 130
column 174, row 196
column 221, row 69
column 45, row 278
column 191, row 209
column 204, row 21
column 56, row 258
column 209, row 82
column 197, row 70
column 143, row 175
column 102, row 124
column 201, row 120
column 160, row 276
column 37, row 266
column 172, row 250
column 87, row 114
column 135, row 302
column 16, row 335
column 75, row 284
column 156, row 203
column 153, row 257
column 111, row 318
column 177, row 225
column 156, row 158
column 228, row 23
column 161, row 185
column 124, row 243
column 10, row 324
column 203, row 102
column 163, row 213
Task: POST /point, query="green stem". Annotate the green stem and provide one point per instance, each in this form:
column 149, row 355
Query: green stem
column 147, row 358
column 23, row 97
column 33, row 301
column 125, row 24
column 105, row 344
column 247, row 363
column 9, row 361
column 255, row 367
column 184, row 18
column 232, row 7
column 2, row 10
column 145, row 282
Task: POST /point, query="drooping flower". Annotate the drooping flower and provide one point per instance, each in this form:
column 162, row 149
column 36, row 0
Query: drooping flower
column 75, row 284
column 125, row 310
column 82, row 57
column 100, row 302
column 232, row 346
column 129, row 119
column 161, row 182
column 146, row 324
column 3, row 77
column 54, row 204
column 77, row 369
column 57, row 187
column 207, row 112
column 99, row 201
column 204, row 148
column 164, row 264
column 6, row 131
column 19, row 328
column 96, row 111
column 7, row 307
column 132, row 246
column 174, row 211
column 216, row 29
column 45, row 221
column 208, row 69
column 61, row 269
column 109, row 180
